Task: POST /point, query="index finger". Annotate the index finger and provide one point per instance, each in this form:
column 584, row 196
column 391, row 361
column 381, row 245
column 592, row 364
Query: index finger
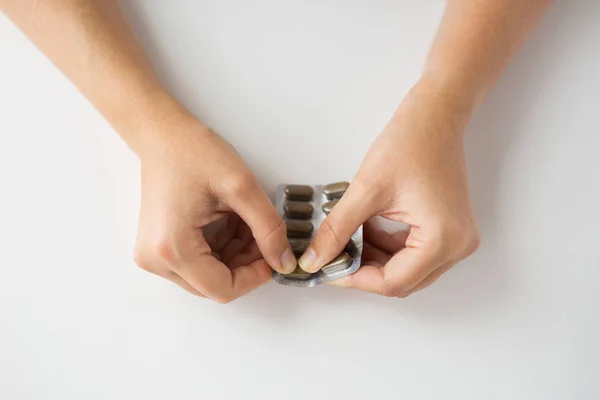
column 221, row 284
column 254, row 207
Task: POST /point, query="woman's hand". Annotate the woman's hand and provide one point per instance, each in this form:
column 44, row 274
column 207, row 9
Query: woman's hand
column 191, row 177
column 414, row 173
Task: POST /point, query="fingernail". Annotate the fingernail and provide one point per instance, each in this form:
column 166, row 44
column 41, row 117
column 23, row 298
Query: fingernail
column 308, row 259
column 288, row 261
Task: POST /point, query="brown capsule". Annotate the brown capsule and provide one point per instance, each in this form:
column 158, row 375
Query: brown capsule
column 299, row 246
column 339, row 263
column 327, row 207
column 299, row 273
column 299, row 192
column 335, row 190
column 299, row 229
column 350, row 247
column 298, row 209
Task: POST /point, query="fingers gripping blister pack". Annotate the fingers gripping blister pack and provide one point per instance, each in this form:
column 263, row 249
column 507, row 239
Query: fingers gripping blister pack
column 303, row 208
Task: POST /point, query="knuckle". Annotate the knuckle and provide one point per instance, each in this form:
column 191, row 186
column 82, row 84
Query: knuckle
column 474, row 241
column 141, row 258
column 240, row 183
column 393, row 288
column 148, row 255
column 390, row 290
column 164, row 251
column 455, row 236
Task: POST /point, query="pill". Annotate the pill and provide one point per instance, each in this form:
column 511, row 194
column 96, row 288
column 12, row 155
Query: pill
column 299, row 229
column 299, row 273
column 327, row 207
column 335, row 190
column 299, row 246
column 299, row 192
column 339, row 263
column 298, row 209
column 350, row 247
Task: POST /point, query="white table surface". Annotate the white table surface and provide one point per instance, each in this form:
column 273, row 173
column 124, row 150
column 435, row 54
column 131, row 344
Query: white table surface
column 520, row 319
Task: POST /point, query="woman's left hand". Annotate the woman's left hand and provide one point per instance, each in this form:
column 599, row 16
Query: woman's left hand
column 414, row 173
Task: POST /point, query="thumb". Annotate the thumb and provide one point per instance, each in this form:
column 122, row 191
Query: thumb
column 352, row 210
column 251, row 203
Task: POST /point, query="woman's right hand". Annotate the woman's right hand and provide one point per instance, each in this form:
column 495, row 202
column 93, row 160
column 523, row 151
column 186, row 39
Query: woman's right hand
column 191, row 177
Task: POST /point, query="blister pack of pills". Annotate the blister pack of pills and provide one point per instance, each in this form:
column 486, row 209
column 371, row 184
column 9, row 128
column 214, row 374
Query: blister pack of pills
column 303, row 208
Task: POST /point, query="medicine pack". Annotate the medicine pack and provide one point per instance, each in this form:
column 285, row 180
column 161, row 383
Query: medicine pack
column 303, row 208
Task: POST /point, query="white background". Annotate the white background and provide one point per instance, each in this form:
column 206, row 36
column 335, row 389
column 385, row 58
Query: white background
column 520, row 319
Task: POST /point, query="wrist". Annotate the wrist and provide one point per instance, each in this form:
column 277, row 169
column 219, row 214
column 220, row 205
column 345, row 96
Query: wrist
column 439, row 103
column 152, row 121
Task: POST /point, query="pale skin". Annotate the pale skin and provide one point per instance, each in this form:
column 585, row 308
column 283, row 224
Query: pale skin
column 413, row 173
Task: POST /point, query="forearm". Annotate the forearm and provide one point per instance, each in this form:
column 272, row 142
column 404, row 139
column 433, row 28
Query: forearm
column 475, row 42
column 91, row 42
